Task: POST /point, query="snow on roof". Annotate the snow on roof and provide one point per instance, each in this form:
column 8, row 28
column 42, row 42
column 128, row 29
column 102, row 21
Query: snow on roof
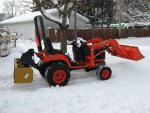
column 129, row 24
column 30, row 17
column 21, row 18
column 82, row 17
column 132, row 24
column 143, row 23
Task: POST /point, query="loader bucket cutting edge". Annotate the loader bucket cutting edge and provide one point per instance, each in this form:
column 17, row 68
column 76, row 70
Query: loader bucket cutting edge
column 128, row 52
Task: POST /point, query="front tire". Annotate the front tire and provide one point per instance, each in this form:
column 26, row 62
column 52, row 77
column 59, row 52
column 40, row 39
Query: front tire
column 104, row 73
column 57, row 74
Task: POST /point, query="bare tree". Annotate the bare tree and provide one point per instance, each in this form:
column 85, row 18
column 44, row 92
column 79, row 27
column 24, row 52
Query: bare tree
column 133, row 10
column 10, row 8
column 16, row 7
column 64, row 9
column 139, row 10
column 26, row 5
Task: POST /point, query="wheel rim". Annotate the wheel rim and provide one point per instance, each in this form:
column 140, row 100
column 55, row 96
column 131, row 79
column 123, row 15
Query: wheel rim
column 105, row 73
column 59, row 76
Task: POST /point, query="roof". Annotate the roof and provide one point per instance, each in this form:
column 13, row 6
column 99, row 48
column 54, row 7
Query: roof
column 21, row 18
column 30, row 17
column 82, row 17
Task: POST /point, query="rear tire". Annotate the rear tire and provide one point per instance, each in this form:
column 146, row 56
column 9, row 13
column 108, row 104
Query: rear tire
column 57, row 74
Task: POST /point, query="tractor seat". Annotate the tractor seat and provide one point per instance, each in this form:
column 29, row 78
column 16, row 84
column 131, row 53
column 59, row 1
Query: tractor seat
column 51, row 50
column 85, row 49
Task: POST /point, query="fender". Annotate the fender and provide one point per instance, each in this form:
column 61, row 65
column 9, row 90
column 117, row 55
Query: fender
column 56, row 57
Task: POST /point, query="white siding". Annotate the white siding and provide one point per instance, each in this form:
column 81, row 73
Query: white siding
column 26, row 29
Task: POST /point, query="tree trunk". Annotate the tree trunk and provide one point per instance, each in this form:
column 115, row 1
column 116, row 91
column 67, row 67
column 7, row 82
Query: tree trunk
column 64, row 29
column 63, row 34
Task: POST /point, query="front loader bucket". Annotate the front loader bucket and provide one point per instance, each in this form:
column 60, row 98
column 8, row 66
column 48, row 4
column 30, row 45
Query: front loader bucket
column 128, row 52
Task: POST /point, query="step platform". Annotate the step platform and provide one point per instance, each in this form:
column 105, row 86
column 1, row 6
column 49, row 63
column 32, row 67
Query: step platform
column 22, row 74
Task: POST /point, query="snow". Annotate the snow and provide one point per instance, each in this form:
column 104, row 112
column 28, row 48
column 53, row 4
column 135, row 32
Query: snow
column 55, row 2
column 143, row 23
column 50, row 16
column 30, row 17
column 132, row 24
column 127, row 91
column 81, row 17
column 59, row 20
column 21, row 18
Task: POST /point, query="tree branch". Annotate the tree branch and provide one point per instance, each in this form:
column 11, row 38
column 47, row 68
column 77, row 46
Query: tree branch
column 50, row 17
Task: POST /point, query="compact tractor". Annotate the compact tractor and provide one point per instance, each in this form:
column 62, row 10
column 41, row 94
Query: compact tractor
column 55, row 65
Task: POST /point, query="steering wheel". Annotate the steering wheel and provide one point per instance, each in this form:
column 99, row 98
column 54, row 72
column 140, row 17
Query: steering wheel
column 72, row 42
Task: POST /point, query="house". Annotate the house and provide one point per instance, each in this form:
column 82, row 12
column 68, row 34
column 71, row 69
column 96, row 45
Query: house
column 23, row 25
column 140, row 25
column 2, row 17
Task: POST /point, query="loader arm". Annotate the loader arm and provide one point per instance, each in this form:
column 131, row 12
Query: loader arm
column 123, row 51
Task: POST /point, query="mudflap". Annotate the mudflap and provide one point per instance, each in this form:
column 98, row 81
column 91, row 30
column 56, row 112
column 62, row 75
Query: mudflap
column 128, row 52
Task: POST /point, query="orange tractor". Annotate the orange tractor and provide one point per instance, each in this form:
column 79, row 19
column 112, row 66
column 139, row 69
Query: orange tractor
column 55, row 65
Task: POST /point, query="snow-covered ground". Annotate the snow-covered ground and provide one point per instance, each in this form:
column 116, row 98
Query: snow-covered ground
column 127, row 91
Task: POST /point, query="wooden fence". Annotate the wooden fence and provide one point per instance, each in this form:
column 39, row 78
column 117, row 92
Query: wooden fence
column 105, row 33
